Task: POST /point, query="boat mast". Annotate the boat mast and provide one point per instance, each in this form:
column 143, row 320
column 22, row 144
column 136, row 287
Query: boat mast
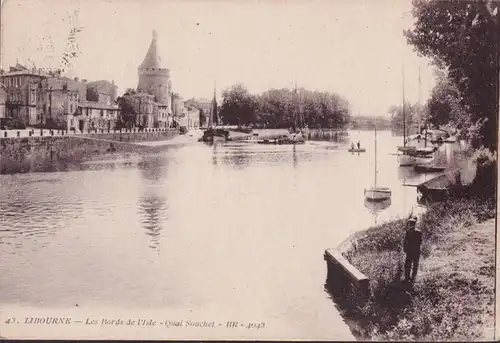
column 404, row 113
column 419, row 101
column 375, row 156
column 419, row 108
column 296, row 116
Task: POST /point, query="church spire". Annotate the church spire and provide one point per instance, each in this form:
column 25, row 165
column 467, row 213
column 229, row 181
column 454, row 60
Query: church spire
column 152, row 59
column 213, row 117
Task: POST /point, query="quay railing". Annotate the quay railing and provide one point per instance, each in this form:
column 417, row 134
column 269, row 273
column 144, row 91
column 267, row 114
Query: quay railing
column 54, row 132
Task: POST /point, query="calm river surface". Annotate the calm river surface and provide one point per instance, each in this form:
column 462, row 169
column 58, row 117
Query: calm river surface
column 228, row 231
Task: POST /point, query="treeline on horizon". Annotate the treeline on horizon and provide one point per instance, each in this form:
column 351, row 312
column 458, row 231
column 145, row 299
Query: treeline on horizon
column 284, row 108
column 369, row 122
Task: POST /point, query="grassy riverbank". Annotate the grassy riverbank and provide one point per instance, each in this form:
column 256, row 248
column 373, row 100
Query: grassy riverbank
column 453, row 295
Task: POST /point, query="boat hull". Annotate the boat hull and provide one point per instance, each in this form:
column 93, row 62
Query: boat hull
column 423, row 160
column 428, row 168
column 405, row 160
column 378, row 194
column 357, row 150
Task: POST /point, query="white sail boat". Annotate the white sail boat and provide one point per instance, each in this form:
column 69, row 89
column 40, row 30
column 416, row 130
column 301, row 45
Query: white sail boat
column 377, row 193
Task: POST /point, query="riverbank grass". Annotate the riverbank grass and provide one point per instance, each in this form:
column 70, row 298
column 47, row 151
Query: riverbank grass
column 453, row 295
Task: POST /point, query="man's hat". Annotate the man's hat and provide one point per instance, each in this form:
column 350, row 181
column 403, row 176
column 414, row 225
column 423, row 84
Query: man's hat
column 412, row 219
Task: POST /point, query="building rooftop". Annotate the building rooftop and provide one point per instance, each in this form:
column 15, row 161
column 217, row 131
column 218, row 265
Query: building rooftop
column 98, row 105
column 152, row 59
column 103, row 86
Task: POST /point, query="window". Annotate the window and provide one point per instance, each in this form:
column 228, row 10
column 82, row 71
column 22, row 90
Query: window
column 102, row 113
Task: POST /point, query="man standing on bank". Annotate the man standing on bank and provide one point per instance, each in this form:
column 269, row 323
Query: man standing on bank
column 412, row 243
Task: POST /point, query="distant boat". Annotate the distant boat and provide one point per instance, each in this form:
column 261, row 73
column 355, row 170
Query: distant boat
column 357, row 150
column 377, row 193
column 212, row 135
column 288, row 140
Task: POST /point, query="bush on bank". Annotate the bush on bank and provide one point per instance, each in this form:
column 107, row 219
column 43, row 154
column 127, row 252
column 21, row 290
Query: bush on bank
column 440, row 304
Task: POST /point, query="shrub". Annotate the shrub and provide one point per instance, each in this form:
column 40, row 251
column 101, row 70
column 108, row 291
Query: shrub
column 435, row 308
column 55, row 124
column 13, row 123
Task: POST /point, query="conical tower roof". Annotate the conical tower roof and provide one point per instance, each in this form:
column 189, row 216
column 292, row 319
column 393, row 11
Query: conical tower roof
column 152, row 59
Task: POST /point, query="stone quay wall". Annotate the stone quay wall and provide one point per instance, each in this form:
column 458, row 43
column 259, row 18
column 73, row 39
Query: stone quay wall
column 54, row 153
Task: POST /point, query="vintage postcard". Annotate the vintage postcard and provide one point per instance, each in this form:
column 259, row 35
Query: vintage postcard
column 249, row 170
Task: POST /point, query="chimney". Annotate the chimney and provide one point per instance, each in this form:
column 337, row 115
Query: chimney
column 76, row 79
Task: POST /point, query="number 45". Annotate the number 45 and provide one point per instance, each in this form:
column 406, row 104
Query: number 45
column 10, row 321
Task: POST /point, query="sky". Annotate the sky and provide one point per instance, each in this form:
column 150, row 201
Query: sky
column 355, row 48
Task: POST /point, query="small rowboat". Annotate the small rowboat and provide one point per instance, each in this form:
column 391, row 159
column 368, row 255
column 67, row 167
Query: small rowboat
column 422, row 168
column 442, row 186
column 357, row 150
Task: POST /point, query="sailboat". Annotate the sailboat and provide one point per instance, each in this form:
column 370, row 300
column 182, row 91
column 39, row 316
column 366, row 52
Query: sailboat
column 377, row 193
column 404, row 158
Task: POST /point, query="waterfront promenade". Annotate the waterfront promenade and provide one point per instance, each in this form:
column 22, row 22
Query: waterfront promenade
column 31, row 132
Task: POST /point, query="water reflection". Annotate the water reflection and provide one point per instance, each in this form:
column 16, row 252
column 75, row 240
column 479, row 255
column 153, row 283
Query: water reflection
column 214, row 154
column 241, row 155
column 294, row 156
column 256, row 205
column 153, row 168
column 153, row 206
column 376, row 207
column 152, row 211
column 406, row 173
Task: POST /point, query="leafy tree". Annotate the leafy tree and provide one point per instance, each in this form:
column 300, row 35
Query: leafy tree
column 128, row 113
column 463, row 37
column 445, row 104
column 414, row 115
column 284, row 108
column 238, row 106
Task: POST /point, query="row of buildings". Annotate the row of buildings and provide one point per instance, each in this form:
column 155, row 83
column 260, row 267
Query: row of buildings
column 38, row 97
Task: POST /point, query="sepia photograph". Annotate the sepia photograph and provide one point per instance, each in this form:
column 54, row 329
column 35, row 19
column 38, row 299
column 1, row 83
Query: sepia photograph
column 315, row 170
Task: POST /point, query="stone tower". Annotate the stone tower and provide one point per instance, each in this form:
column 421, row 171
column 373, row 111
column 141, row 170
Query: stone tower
column 153, row 79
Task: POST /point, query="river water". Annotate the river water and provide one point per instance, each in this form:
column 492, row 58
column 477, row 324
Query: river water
column 232, row 231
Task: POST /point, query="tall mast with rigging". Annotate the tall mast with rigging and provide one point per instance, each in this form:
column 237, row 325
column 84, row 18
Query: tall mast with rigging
column 375, row 156
column 404, row 113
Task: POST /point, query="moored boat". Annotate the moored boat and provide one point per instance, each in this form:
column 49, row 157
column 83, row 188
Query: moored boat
column 405, row 160
column 377, row 193
column 423, row 160
column 357, row 150
column 442, row 186
column 212, row 135
column 422, row 168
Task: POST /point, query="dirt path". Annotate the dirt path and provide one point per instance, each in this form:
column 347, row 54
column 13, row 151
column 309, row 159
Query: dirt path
column 465, row 262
